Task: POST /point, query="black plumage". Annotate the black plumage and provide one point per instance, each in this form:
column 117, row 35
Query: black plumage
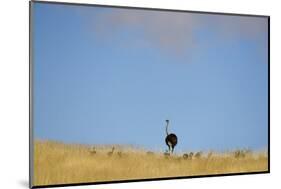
column 171, row 139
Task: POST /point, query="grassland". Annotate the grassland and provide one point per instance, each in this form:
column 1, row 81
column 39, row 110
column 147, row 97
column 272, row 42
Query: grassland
column 58, row 163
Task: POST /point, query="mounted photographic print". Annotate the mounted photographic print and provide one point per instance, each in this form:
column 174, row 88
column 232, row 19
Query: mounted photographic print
column 121, row 94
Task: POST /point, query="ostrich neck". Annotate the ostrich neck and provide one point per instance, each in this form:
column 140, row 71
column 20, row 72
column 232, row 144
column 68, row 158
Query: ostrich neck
column 167, row 129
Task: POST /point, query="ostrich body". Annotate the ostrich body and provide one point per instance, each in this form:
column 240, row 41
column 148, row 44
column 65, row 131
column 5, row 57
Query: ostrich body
column 198, row 155
column 190, row 155
column 119, row 154
column 111, row 152
column 185, row 156
column 171, row 139
column 93, row 150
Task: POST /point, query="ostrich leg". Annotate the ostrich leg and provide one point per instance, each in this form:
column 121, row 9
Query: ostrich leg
column 169, row 148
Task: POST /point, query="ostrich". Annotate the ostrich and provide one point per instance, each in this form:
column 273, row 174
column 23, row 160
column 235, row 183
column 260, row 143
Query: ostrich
column 93, row 150
column 239, row 154
column 198, row 155
column 171, row 139
column 190, row 155
column 185, row 156
column 120, row 154
column 111, row 152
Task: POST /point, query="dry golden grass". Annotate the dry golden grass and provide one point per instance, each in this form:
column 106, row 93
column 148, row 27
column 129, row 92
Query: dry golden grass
column 58, row 163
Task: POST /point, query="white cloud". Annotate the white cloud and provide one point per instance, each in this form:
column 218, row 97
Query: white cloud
column 175, row 32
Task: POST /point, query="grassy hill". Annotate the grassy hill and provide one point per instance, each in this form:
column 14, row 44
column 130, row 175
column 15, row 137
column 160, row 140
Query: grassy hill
column 58, row 163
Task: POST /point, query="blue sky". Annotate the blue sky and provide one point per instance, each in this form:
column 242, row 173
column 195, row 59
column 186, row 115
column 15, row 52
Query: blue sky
column 113, row 76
